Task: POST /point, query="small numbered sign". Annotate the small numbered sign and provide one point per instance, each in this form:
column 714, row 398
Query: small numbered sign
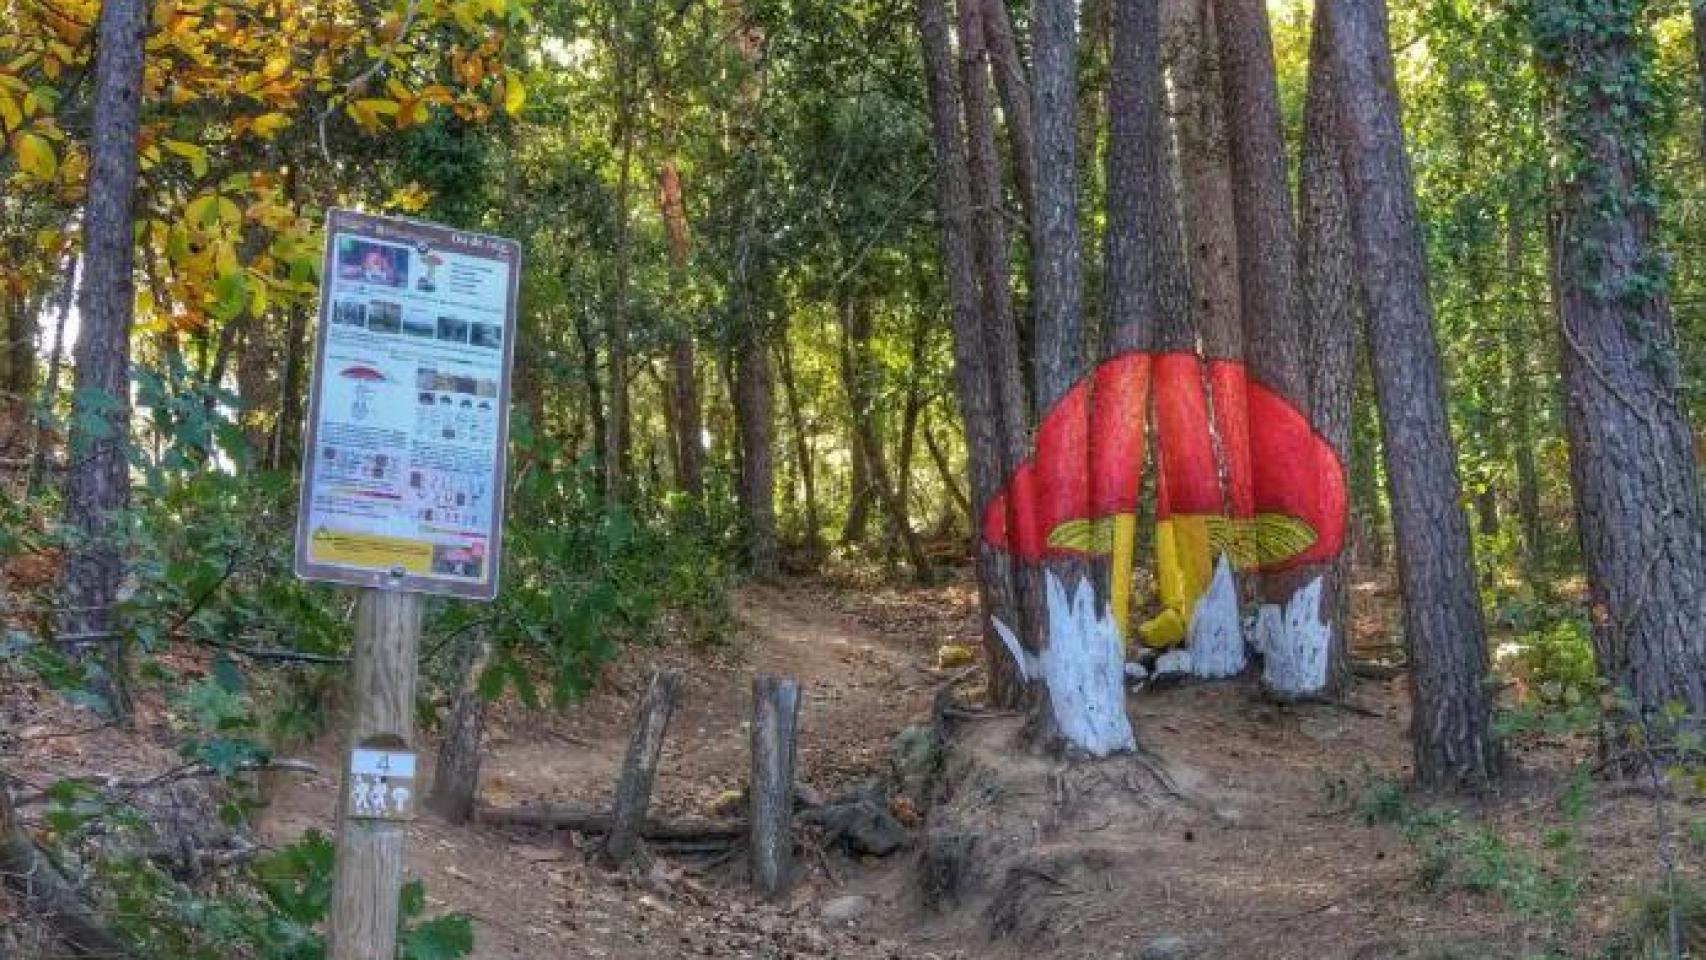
column 381, row 785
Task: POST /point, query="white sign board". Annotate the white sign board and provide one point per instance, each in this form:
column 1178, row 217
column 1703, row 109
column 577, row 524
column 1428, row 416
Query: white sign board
column 381, row 784
column 403, row 467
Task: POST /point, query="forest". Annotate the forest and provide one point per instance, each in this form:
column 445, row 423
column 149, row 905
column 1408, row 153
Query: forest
column 1068, row 478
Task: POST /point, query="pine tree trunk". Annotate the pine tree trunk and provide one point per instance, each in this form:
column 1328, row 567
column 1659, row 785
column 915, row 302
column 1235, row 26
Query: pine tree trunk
column 1451, row 723
column 1331, row 306
column 1291, row 632
column 1636, row 478
column 98, row 484
column 802, row 444
column 975, row 376
column 1076, row 664
column 1014, row 89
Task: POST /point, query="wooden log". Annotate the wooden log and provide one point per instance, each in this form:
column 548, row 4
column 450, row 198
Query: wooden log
column 368, row 874
column 46, row 894
column 639, row 769
column 456, row 776
column 775, row 721
column 553, row 817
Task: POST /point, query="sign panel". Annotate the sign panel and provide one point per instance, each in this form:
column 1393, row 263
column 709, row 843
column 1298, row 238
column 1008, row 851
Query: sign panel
column 403, row 467
column 381, row 785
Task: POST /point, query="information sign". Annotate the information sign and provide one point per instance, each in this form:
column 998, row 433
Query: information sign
column 403, row 468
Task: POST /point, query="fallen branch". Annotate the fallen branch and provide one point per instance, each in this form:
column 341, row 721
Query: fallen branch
column 48, row 895
column 188, row 771
column 552, row 817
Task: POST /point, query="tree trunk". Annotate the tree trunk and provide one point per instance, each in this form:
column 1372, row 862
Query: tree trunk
column 753, row 409
column 617, row 443
column 802, row 444
column 639, row 769
column 594, row 395
column 1697, row 14
column 995, row 34
column 1290, row 630
column 98, row 485
column 975, row 376
column 1451, row 726
column 945, row 470
column 683, row 373
column 1331, row 313
column 1076, row 664
column 1522, row 396
column 1636, row 478
column 456, row 776
column 862, row 406
column 285, row 447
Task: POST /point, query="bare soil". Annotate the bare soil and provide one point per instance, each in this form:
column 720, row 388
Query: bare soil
column 1240, row 829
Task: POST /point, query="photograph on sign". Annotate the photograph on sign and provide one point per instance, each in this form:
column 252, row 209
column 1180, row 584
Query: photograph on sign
column 403, row 465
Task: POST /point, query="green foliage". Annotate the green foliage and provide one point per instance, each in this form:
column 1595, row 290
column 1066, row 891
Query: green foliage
column 580, row 577
column 1455, row 853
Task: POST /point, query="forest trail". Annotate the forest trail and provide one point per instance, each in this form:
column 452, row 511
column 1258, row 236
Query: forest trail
column 864, row 669
column 1262, row 850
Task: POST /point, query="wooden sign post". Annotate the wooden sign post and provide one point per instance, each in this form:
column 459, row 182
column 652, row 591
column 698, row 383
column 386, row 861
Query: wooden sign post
column 402, row 495
column 379, row 782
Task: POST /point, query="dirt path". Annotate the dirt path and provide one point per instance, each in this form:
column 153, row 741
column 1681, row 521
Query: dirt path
column 863, row 672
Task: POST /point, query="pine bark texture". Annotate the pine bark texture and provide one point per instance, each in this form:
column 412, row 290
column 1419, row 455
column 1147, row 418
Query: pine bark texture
column 1206, row 176
column 1331, row 303
column 1451, row 722
column 974, row 379
column 98, row 485
column 1633, row 464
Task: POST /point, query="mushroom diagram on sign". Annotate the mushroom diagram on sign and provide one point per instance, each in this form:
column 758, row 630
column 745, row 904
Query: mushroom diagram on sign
column 1243, row 483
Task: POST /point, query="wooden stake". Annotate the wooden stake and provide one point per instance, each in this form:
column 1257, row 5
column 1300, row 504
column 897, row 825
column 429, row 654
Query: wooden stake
column 378, row 780
column 775, row 720
column 639, row 769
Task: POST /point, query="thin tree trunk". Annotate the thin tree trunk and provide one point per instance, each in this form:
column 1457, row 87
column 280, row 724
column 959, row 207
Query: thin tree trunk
column 285, row 447
column 616, row 444
column 802, row 443
column 975, row 375
column 1015, row 93
column 684, row 379
column 949, row 482
column 753, row 408
column 1327, row 271
column 456, row 776
column 98, row 485
column 1633, row 464
column 40, row 448
column 854, row 376
column 594, row 397
column 1451, row 726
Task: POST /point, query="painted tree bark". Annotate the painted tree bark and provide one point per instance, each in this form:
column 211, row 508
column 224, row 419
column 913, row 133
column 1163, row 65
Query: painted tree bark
column 974, row 380
column 1451, row 725
column 98, row 484
column 1077, row 663
column 1636, row 479
column 1290, row 631
column 1331, row 305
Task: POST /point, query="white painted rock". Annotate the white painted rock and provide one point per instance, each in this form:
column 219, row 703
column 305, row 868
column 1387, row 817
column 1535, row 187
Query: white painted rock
column 1173, row 663
column 1135, row 674
column 844, row 909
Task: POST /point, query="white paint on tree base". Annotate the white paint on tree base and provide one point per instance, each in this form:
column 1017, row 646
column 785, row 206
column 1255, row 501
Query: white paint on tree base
column 1217, row 638
column 1173, row 663
column 1293, row 640
column 1083, row 667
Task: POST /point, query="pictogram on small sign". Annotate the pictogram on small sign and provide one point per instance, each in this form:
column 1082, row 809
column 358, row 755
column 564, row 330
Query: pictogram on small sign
column 381, row 785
